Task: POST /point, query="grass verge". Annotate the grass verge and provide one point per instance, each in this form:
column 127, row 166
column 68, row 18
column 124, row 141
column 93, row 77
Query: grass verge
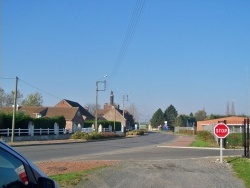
column 241, row 167
column 70, row 180
column 204, row 139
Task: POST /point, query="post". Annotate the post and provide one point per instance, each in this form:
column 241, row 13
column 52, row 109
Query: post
column 247, row 137
column 96, row 100
column 96, row 106
column 14, row 112
column 221, row 154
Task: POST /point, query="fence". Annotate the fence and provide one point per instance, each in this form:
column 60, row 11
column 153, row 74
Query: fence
column 20, row 132
column 31, row 131
column 233, row 128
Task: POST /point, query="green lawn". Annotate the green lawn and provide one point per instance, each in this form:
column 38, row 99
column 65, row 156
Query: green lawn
column 241, row 167
column 73, row 179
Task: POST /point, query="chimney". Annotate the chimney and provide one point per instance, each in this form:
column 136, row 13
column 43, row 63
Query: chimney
column 112, row 98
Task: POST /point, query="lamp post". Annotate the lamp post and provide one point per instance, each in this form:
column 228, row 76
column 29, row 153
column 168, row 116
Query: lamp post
column 96, row 100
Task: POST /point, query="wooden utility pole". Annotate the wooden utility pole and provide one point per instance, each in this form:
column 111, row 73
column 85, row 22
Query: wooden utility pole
column 14, row 112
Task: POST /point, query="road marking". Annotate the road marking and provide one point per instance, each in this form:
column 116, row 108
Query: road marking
column 181, row 147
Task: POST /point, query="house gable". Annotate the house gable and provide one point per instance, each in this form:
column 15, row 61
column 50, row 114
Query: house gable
column 67, row 103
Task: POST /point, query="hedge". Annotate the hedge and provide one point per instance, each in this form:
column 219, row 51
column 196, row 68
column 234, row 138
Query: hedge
column 22, row 121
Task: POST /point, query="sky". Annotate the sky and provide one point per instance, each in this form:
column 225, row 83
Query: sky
column 191, row 54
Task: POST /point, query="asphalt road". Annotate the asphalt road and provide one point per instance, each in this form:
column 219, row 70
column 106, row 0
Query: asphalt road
column 149, row 147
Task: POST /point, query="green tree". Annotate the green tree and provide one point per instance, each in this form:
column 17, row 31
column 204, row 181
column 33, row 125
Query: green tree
column 170, row 115
column 200, row 115
column 181, row 121
column 157, row 118
column 34, row 99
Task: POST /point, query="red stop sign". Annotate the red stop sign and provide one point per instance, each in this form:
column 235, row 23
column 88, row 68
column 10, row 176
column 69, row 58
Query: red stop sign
column 221, row 130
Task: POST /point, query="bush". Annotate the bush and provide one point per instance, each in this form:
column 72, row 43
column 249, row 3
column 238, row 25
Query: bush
column 136, row 132
column 234, row 140
column 205, row 136
column 93, row 135
column 78, row 135
column 188, row 132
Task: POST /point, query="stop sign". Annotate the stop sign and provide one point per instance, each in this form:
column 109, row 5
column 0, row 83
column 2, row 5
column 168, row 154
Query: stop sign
column 221, row 130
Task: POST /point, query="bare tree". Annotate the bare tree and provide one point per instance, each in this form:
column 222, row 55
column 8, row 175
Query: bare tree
column 133, row 110
column 233, row 109
column 91, row 108
column 9, row 98
column 228, row 109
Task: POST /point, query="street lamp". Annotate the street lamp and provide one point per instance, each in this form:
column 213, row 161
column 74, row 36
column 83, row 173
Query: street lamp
column 96, row 101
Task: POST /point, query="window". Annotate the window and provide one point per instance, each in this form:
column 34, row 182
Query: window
column 11, row 169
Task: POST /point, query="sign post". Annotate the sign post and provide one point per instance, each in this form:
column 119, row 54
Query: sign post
column 221, row 130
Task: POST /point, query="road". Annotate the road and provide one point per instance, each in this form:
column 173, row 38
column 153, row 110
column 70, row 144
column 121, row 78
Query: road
column 149, row 147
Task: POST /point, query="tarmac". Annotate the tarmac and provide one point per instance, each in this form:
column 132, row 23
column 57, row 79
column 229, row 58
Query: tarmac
column 180, row 141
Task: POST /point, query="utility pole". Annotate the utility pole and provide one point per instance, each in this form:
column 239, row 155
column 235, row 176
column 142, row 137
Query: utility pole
column 125, row 98
column 14, row 112
column 96, row 100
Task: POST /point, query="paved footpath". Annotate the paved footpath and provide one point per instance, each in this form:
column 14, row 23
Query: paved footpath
column 182, row 141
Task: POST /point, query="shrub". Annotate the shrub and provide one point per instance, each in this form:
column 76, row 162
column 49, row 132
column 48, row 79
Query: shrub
column 189, row 132
column 234, row 140
column 93, row 135
column 78, row 135
column 96, row 135
column 205, row 136
column 135, row 132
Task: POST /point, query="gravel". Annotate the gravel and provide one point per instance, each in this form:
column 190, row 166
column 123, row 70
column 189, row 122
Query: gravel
column 200, row 173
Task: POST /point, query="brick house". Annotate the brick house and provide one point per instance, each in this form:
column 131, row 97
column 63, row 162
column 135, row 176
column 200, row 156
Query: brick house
column 111, row 112
column 85, row 113
column 72, row 115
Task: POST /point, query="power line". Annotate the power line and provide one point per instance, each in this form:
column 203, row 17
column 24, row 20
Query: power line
column 40, row 89
column 128, row 37
column 7, row 78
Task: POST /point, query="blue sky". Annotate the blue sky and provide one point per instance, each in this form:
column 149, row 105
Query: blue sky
column 191, row 54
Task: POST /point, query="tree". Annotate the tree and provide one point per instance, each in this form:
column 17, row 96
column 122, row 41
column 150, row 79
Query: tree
column 9, row 98
column 91, row 108
column 132, row 109
column 181, row 121
column 2, row 97
column 200, row 115
column 34, row 99
column 157, row 118
column 170, row 115
column 228, row 109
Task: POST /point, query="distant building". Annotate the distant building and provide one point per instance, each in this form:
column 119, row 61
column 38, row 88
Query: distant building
column 112, row 112
column 234, row 123
column 73, row 112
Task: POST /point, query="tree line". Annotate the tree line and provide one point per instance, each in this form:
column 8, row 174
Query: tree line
column 7, row 99
column 173, row 119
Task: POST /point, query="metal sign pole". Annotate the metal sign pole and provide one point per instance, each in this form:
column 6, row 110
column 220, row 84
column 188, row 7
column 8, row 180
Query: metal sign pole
column 221, row 154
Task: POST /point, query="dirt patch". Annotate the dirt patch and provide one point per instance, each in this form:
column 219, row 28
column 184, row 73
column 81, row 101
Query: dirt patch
column 63, row 167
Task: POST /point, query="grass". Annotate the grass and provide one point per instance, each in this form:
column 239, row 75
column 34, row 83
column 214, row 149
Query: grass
column 200, row 143
column 241, row 167
column 69, row 180
column 204, row 139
